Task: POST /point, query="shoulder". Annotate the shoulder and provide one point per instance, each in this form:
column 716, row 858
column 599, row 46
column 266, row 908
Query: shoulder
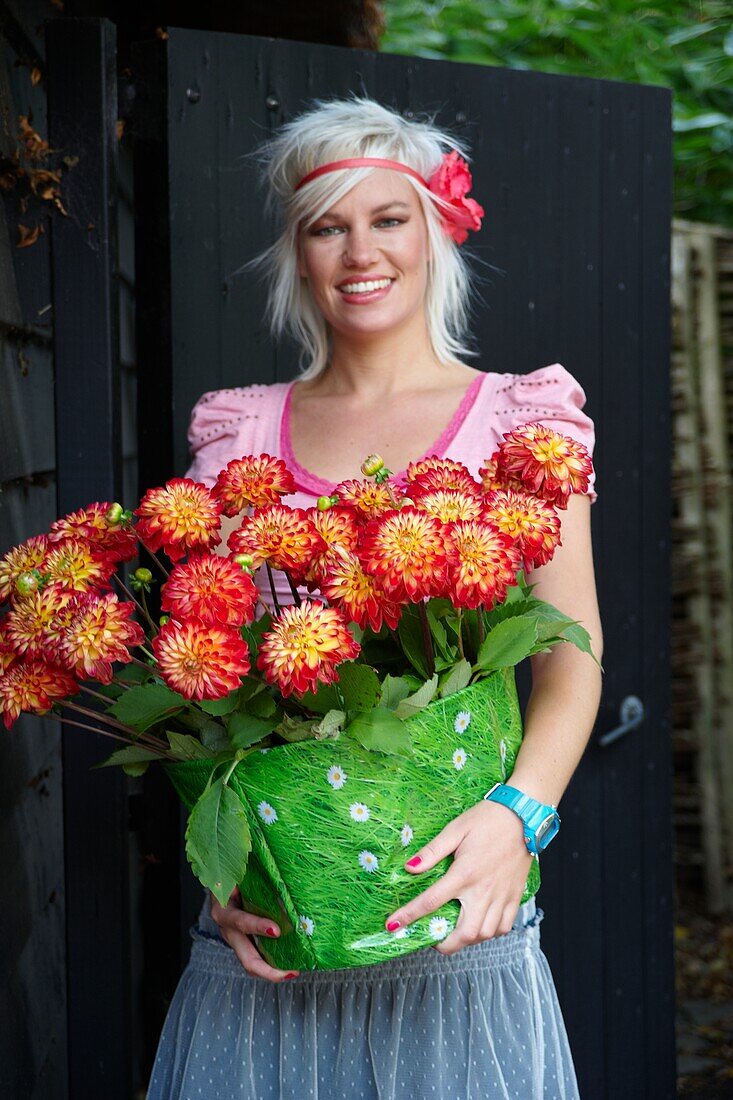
column 228, row 422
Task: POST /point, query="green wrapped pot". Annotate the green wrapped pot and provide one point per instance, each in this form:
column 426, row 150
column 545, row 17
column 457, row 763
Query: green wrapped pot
column 333, row 824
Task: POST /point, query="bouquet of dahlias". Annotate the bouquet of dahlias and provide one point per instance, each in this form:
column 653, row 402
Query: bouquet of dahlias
column 317, row 743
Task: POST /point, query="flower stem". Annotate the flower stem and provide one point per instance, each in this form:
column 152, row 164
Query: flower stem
column 427, row 639
column 147, row 614
column 272, row 587
column 128, row 593
column 460, row 633
column 104, row 733
column 294, row 590
column 132, row 735
column 481, row 626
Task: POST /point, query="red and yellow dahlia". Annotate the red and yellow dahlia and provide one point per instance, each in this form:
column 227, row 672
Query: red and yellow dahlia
column 367, row 498
column 357, row 593
column 76, row 565
column 491, row 477
column 407, row 552
column 200, row 661
column 431, row 474
column 448, row 505
column 547, row 463
column 252, row 482
column 91, row 525
column 211, row 588
column 36, row 622
column 98, row 632
column 483, row 564
column 533, row 523
column 284, row 537
column 180, row 516
column 8, row 652
column 304, row 646
column 339, row 530
column 33, row 685
column 21, row 559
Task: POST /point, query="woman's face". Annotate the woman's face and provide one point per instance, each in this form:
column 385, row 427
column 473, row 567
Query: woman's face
column 376, row 232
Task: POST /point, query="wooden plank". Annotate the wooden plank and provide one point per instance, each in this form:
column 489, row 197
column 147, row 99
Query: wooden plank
column 82, row 94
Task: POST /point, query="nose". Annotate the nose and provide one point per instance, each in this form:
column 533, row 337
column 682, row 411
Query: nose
column 360, row 250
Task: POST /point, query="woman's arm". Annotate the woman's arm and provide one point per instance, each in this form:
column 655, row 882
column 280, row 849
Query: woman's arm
column 490, row 858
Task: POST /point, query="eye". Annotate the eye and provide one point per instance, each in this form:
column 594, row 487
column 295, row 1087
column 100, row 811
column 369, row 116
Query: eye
column 325, row 231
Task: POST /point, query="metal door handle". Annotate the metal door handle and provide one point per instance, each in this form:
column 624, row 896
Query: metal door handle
column 631, row 714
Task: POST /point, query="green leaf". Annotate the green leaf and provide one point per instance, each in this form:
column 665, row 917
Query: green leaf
column 135, row 756
column 295, row 729
column 437, row 630
column 187, row 747
column 245, row 729
column 262, row 705
column 330, row 725
column 141, row 707
column 218, row 841
column 394, row 690
column 417, row 702
column 358, row 685
column 409, row 632
column 219, row 707
column 456, row 679
column 381, row 731
column 508, row 643
column 323, row 700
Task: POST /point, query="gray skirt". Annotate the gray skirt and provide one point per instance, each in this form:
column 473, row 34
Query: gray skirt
column 482, row 1024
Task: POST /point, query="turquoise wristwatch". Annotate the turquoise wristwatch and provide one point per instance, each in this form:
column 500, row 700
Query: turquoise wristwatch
column 541, row 822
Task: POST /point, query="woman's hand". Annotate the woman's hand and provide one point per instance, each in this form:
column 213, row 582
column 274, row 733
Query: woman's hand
column 488, row 874
column 237, row 926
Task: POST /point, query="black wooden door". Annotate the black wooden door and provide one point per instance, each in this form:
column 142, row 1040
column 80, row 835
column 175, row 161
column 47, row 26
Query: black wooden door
column 575, row 176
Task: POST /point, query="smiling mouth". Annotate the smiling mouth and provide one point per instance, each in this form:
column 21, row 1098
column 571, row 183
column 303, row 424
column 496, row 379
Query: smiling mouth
column 365, row 287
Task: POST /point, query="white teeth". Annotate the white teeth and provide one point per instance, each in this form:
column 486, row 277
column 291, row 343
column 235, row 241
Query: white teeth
column 362, row 288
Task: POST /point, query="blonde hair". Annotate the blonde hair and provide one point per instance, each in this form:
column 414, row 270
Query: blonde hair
column 332, row 130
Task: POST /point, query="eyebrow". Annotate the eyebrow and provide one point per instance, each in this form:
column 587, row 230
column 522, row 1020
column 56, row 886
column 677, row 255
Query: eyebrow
column 376, row 210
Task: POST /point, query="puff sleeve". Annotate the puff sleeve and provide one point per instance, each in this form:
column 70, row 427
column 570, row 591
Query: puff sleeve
column 552, row 396
column 212, row 433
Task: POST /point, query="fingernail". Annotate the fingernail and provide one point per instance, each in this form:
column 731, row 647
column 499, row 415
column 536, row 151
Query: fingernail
column 414, row 862
column 270, row 931
column 392, row 925
column 291, row 974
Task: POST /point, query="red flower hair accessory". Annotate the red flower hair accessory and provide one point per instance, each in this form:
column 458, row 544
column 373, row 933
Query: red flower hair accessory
column 451, row 181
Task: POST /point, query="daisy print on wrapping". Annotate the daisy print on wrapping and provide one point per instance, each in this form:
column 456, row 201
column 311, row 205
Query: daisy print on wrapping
column 368, row 861
column 406, row 834
column 359, row 811
column 462, row 722
column 336, row 776
column 439, row 927
column 267, row 813
column 459, row 758
column 306, row 925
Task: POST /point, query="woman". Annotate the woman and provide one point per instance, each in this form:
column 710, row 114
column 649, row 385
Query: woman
column 369, row 276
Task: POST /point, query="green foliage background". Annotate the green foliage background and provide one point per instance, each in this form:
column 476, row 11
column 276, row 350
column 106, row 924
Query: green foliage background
column 685, row 46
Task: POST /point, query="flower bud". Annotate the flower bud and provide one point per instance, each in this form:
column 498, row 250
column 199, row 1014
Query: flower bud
column 143, row 575
column 245, row 560
column 324, row 503
column 371, row 465
column 163, row 619
column 26, row 583
column 113, row 515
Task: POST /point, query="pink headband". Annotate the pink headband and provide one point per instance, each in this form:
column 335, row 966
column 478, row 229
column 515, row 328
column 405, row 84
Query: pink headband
column 450, row 182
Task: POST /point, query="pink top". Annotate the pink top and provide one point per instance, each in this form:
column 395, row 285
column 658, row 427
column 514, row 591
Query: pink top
column 229, row 423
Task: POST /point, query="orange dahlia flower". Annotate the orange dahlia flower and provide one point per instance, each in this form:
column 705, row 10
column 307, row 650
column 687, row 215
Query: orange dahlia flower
column 76, row 565
column 180, row 516
column 339, row 531
column 252, row 482
column 98, row 633
column 435, row 473
column 284, row 537
column 484, row 563
column 448, row 505
column 36, row 622
column 90, row 525
column 357, row 593
column 491, row 478
column 8, row 652
column 213, row 589
column 533, row 523
column 304, row 646
column 33, row 685
column 407, row 552
column 200, row 661
column 547, row 463
column 367, row 498
column 21, row 559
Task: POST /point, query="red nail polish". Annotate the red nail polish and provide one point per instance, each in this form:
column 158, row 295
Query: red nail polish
column 291, row 974
column 414, row 862
column 392, row 925
column 270, row 931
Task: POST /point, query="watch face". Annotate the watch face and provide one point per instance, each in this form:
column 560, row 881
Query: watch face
column 546, row 831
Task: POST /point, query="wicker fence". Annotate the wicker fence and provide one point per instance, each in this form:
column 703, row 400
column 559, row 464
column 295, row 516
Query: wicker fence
column 702, row 559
